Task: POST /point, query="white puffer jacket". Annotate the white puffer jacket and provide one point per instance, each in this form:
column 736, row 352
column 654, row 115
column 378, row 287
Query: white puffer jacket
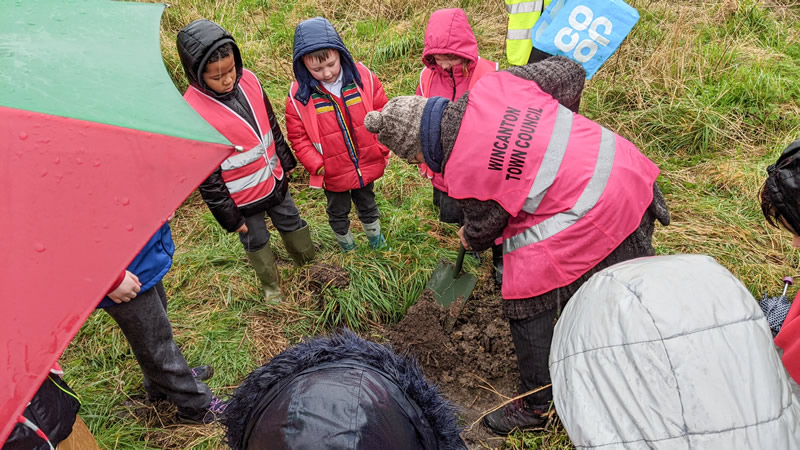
column 670, row 352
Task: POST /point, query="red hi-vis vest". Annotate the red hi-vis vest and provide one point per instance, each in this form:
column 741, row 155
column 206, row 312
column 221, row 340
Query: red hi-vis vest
column 574, row 189
column 254, row 173
column 308, row 114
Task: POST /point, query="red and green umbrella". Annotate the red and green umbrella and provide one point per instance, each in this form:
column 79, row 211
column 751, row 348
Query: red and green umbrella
column 97, row 149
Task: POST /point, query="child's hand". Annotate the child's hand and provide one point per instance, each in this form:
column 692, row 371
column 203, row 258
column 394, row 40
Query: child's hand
column 321, row 171
column 463, row 240
column 242, row 229
column 126, row 290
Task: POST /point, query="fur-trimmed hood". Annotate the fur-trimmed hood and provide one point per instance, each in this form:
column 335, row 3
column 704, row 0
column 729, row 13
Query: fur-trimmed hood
column 344, row 391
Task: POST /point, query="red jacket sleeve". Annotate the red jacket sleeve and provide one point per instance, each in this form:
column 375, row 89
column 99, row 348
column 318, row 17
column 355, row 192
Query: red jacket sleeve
column 299, row 140
column 379, row 99
column 789, row 340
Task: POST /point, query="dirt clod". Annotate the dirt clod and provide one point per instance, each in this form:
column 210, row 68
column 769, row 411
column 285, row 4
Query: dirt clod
column 322, row 275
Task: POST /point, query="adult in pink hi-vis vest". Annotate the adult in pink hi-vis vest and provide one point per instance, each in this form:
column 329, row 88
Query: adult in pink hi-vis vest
column 565, row 196
column 252, row 183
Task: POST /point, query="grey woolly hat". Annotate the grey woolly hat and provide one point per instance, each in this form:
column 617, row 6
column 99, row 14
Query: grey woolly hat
column 397, row 126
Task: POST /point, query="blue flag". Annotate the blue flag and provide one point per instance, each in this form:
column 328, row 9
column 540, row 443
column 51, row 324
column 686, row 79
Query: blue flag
column 585, row 31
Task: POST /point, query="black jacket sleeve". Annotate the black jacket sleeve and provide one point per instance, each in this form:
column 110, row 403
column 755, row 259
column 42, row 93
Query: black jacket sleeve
column 288, row 161
column 220, row 202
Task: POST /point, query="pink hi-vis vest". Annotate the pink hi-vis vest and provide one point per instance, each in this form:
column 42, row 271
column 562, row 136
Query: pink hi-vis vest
column 574, row 189
column 308, row 113
column 252, row 174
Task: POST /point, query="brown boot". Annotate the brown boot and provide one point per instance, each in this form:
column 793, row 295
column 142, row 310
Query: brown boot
column 299, row 246
column 263, row 262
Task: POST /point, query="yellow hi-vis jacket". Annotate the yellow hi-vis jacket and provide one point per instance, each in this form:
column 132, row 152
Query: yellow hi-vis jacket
column 522, row 16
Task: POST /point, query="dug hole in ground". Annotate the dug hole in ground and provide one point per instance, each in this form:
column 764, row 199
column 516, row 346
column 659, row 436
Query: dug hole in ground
column 473, row 364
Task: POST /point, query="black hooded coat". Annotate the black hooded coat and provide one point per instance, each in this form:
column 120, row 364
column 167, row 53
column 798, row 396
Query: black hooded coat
column 340, row 392
column 196, row 42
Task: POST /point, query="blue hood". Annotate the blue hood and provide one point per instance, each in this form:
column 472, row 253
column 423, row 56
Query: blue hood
column 315, row 34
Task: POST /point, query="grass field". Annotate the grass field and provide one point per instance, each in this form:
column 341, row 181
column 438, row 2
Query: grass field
column 709, row 90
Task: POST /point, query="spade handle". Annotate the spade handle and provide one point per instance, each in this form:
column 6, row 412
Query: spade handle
column 460, row 261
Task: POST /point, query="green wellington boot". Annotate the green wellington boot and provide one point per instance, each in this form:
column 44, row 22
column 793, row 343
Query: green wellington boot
column 345, row 241
column 373, row 232
column 263, row 262
column 299, row 246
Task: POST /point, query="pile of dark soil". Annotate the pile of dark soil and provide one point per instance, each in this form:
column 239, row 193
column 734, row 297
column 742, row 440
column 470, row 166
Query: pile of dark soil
column 470, row 357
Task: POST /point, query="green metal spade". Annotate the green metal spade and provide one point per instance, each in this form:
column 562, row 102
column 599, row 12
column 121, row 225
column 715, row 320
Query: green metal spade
column 448, row 282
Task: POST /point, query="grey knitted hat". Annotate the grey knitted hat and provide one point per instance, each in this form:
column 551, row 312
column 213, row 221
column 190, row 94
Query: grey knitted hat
column 398, row 125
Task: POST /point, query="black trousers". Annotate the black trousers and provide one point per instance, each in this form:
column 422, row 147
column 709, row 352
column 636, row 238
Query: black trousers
column 339, row 207
column 532, row 337
column 145, row 324
column 284, row 216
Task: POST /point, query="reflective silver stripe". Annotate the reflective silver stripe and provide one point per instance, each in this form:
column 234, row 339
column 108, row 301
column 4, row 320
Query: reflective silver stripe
column 249, row 181
column 525, row 7
column 317, row 146
column 518, row 35
column 588, row 198
column 242, row 159
column 551, row 162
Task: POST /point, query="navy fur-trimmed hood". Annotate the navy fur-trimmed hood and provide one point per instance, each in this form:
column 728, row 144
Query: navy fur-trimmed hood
column 337, row 350
column 315, row 34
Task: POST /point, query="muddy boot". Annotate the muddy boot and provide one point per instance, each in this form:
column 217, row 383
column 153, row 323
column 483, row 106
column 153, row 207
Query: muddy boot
column 373, row 232
column 263, row 262
column 299, row 246
column 516, row 415
column 346, row 241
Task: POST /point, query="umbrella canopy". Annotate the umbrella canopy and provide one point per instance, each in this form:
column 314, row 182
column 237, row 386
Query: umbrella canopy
column 97, row 149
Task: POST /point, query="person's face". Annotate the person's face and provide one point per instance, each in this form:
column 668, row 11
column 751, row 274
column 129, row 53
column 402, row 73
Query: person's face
column 220, row 76
column 326, row 71
column 447, row 62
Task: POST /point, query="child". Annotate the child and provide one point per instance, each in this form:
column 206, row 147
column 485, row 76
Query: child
column 562, row 215
column 253, row 183
column 138, row 303
column 325, row 125
column 452, row 66
column 780, row 203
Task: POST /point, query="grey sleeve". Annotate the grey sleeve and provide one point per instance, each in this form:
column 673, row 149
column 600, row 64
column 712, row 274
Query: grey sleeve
column 558, row 76
column 484, row 222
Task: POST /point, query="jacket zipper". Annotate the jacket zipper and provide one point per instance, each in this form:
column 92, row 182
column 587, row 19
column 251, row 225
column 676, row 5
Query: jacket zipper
column 347, row 142
column 453, row 79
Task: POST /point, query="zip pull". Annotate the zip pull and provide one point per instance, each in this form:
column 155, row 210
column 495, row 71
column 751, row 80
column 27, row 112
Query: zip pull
column 238, row 148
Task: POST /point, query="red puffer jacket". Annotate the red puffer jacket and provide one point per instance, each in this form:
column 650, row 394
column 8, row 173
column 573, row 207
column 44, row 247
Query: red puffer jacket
column 329, row 132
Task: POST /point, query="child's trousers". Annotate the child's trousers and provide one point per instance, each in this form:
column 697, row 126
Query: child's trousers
column 339, row 207
column 284, row 216
column 145, row 324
